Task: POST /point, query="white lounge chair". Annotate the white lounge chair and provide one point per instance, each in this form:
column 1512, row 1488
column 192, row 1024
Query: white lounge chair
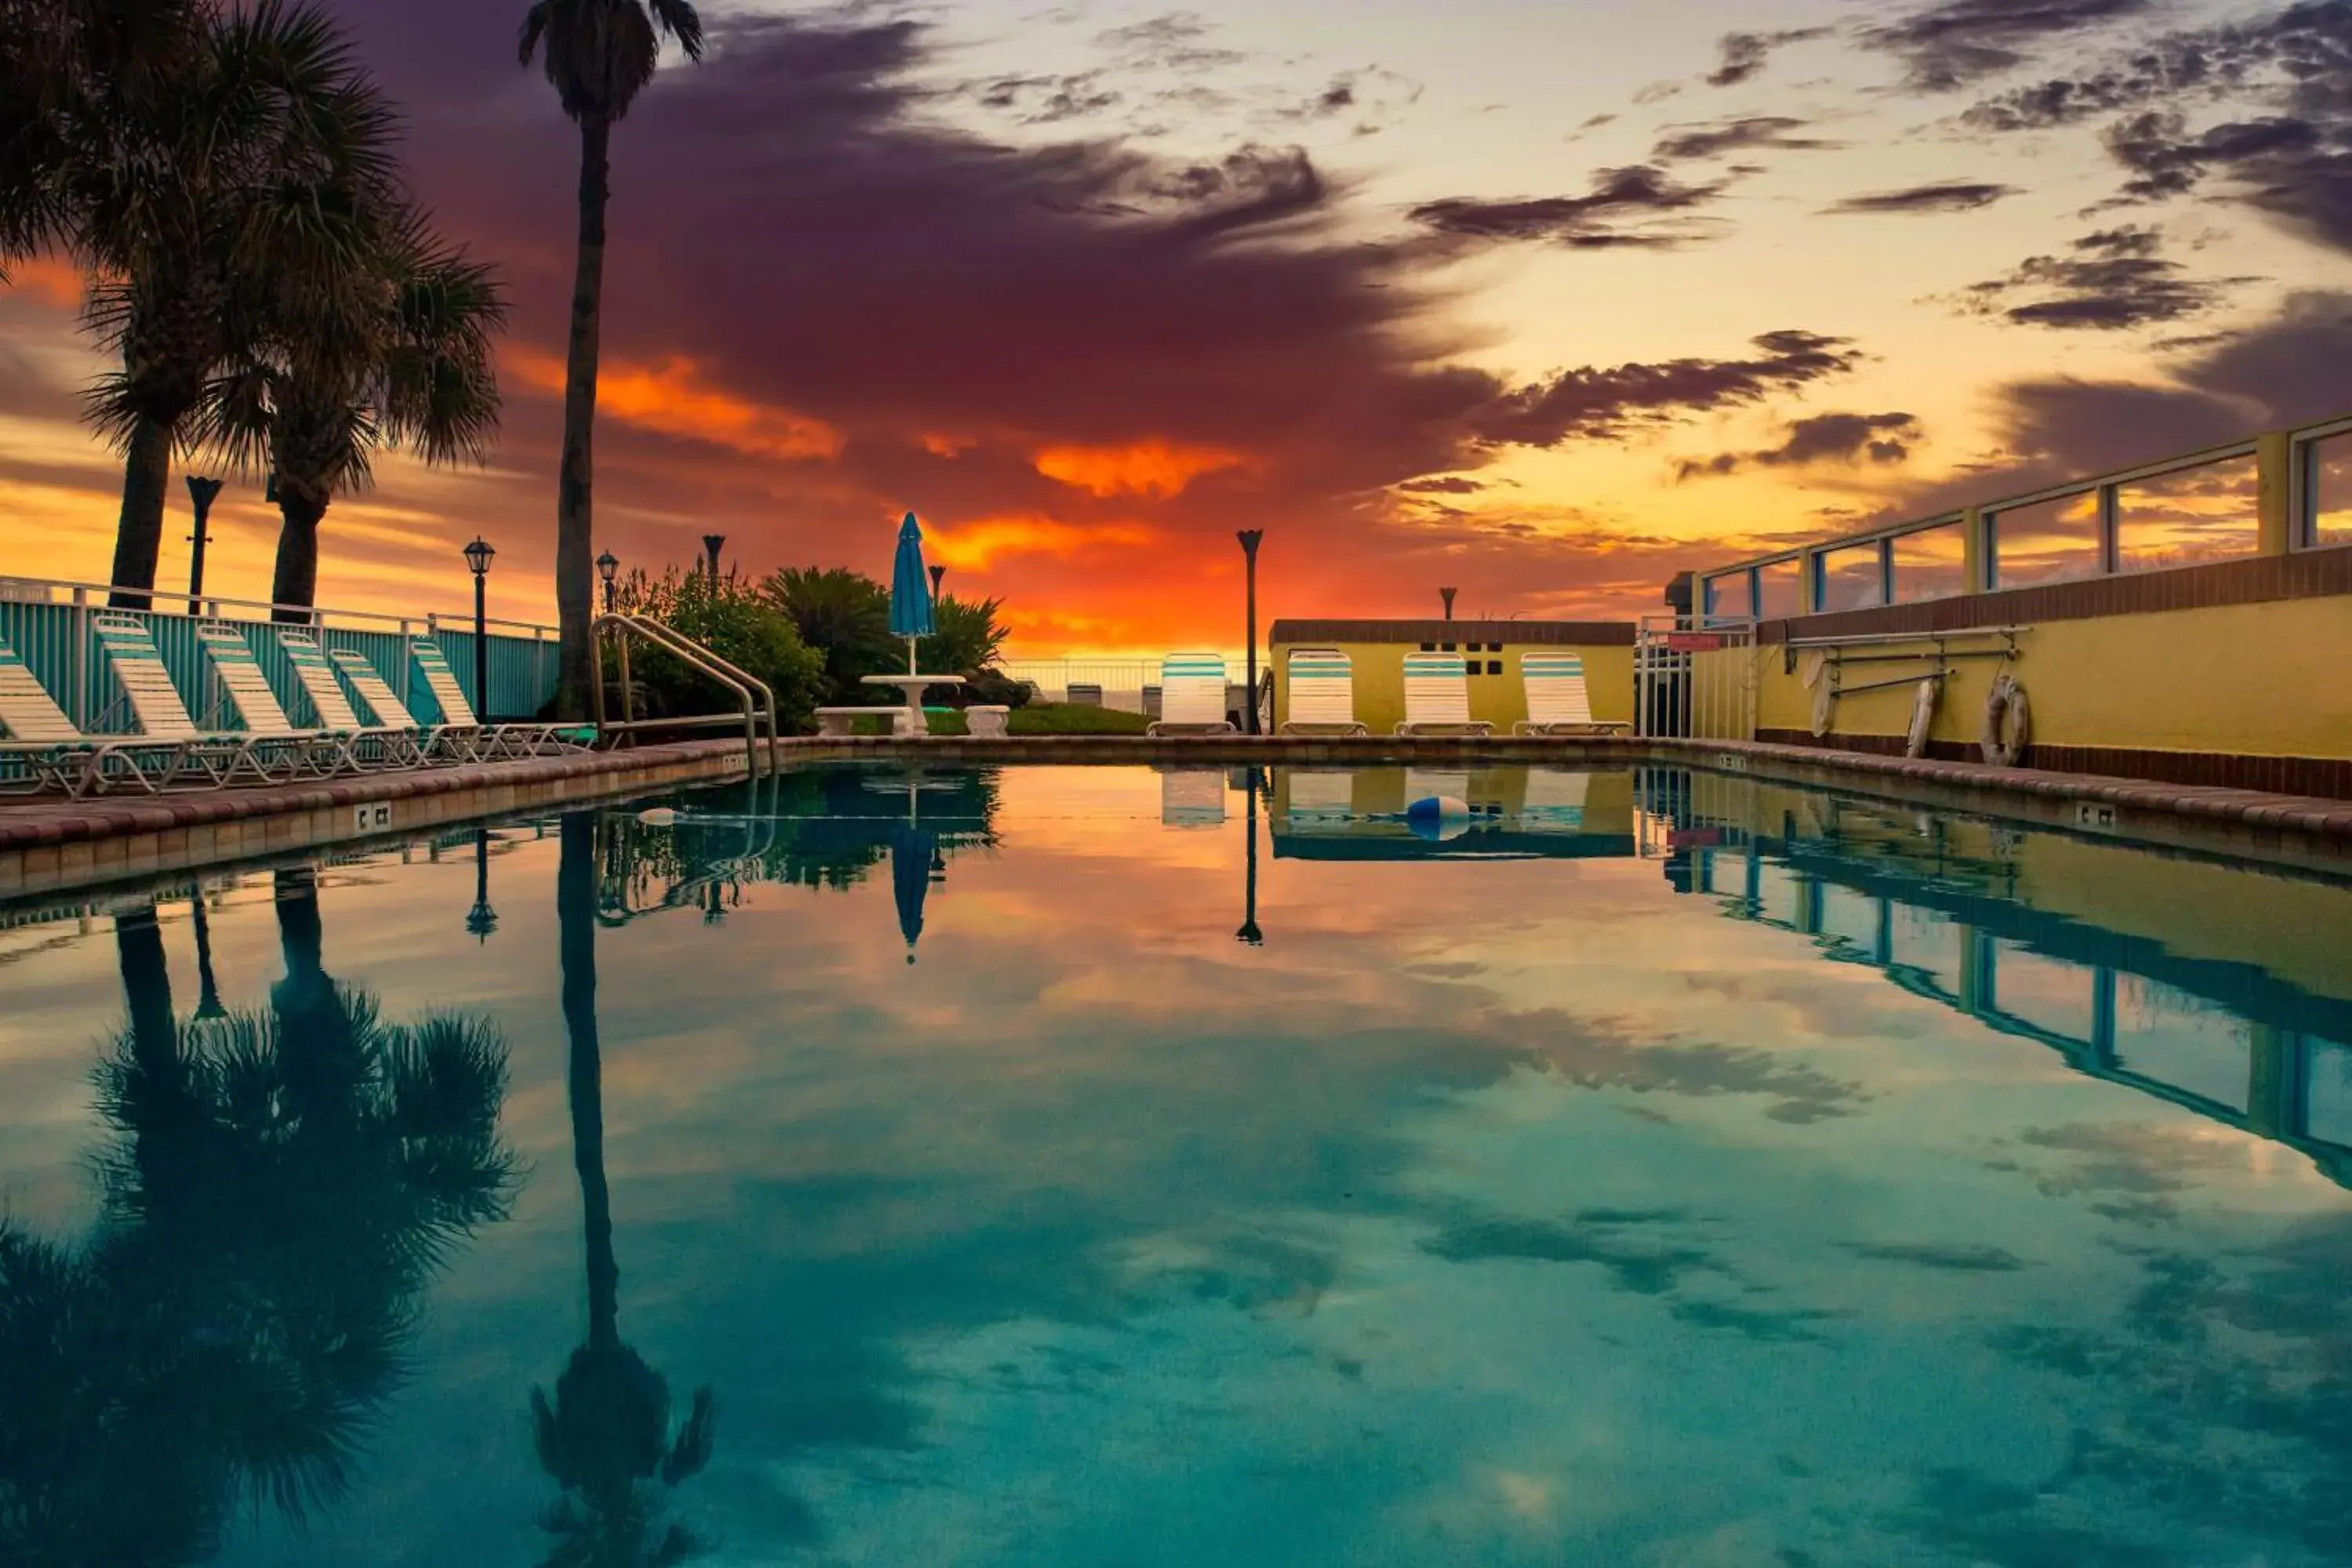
column 1192, row 797
column 488, row 740
column 374, row 745
column 433, row 742
column 323, row 753
column 1192, row 696
column 1558, row 700
column 1554, row 802
column 1322, row 693
column 53, row 752
column 1437, row 697
column 219, row 756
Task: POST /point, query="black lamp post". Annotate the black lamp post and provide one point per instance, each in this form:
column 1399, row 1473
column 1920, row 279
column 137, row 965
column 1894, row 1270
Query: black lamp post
column 481, row 919
column 714, row 543
column 1250, row 934
column 203, row 492
column 1447, row 595
column 608, row 566
column 477, row 557
column 1251, row 538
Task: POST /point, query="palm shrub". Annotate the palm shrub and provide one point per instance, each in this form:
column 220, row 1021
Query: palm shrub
column 846, row 615
column 734, row 620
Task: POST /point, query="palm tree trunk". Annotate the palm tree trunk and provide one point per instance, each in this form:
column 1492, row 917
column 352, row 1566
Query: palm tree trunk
column 574, row 525
column 147, row 988
column 296, row 580
column 575, row 914
column 139, row 535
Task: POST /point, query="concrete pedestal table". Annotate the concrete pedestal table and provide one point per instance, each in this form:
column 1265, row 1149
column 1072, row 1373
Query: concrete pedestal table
column 908, row 721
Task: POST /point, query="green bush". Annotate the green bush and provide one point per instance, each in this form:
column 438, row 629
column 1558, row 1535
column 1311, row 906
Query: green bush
column 737, row 623
column 1074, row 719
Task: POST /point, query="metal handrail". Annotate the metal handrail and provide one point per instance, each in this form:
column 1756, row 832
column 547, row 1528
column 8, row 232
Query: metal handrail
column 698, row 658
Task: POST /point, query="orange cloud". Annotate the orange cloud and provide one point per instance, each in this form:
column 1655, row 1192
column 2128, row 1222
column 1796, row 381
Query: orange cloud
column 950, row 446
column 1146, row 468
column 673, row 399
column 49, row 278
column 971, row 546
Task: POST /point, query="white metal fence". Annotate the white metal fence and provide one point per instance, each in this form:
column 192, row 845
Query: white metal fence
column 1692, row 683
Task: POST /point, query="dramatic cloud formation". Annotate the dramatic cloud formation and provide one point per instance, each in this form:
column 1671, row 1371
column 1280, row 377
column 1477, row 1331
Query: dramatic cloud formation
column 1616, row 215
column 1883, row 439
column 2115, row 279
column 1951, row 43
column 2292, row 160
column 1607, row 402
column 1946, row 197
column 1754, row 132
column 1745, row 55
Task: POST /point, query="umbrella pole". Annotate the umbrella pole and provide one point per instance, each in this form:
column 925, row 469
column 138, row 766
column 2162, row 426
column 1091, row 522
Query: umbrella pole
column 910, row 656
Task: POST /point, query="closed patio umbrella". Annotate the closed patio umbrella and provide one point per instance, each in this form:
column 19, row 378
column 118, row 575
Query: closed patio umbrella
column 914, row 864
column 911, row 590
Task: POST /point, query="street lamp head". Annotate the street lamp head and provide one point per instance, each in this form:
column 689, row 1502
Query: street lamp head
column 1250, row 538
column 477, row 555
column 608, row 566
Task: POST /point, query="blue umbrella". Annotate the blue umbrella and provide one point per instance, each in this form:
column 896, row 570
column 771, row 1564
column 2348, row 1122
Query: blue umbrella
column 911, row 590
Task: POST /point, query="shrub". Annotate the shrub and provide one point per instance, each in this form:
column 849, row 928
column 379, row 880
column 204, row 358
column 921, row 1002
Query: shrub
column 845, row 617
column 737, row 623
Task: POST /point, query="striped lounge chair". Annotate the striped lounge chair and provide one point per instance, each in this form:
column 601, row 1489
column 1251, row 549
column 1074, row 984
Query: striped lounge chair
column 45, row 750
column 1558, row 700
column 1322, row 693
column 1192, row 696
column 221, row 756
column 1437, row 697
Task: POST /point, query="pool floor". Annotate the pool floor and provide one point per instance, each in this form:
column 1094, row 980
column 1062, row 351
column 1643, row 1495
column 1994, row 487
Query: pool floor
column 1097, row 1166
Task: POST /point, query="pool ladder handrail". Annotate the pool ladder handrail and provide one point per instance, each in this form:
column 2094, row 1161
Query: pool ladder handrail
column 697, row 655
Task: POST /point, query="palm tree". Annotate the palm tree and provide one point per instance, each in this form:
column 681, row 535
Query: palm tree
column 599, row 54
column 231, row 179
column 406, row 360
column 606, row 1437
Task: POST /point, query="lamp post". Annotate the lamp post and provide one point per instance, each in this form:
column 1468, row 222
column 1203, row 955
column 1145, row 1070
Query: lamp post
column 608, row 566
column 478, row 558
column 939, row 575
column 1250, row 539
column 1447, row 595
column 1251, row 935
column 714, row 543
column 203, row 492
column 481, row 919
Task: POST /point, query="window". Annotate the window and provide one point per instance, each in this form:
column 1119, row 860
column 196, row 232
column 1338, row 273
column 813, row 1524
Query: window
column 1450, row 647
column 1730, row 597
column 1932, row 564
column 1781, row 590
column 2210, row 512
column 2047, row 542
column 1429, row 647
column 1851, row 578
column 1494, row 667
column 2327, row 478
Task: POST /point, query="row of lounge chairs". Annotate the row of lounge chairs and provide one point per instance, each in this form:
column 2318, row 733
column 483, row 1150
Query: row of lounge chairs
column 1436, row 695
column 170, row 750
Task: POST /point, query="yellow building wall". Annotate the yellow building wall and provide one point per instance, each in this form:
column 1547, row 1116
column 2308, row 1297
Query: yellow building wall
column 1499, row 699
column 2266, row 679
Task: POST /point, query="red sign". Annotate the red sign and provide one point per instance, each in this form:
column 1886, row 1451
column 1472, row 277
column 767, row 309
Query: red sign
column 1695, row 838
column 1694, row 642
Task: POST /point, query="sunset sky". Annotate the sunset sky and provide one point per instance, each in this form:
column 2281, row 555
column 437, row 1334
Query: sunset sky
column 1545, row 301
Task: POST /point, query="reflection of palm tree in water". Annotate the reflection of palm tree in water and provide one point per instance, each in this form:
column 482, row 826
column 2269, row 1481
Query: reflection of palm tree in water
column 606, row 1437
column 283, row 1183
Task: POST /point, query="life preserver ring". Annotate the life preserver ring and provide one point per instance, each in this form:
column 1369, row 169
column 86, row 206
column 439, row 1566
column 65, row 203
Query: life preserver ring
column 1923, row 715
column 1824, row 709
column 2008, row 722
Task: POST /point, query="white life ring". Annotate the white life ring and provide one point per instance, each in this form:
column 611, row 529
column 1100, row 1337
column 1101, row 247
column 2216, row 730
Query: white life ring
column 1824, row 708
column 1923, row 715
column 2008, row 722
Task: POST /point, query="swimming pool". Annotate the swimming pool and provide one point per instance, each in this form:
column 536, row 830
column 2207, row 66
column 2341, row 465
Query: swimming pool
column 1090, row 1165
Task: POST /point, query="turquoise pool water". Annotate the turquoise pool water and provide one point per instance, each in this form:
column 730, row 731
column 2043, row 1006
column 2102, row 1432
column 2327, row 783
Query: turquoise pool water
column 1089, row 1167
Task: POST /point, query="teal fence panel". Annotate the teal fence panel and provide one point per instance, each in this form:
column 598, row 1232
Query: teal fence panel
column 54, row 640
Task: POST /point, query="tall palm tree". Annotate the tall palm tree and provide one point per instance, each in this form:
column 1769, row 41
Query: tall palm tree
column 403, row 360
column 599, row 55
column 606, row 1437
column 231, row 179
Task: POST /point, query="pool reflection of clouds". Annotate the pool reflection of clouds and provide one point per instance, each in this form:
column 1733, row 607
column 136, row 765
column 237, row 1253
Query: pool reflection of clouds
column 1096, row 1228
